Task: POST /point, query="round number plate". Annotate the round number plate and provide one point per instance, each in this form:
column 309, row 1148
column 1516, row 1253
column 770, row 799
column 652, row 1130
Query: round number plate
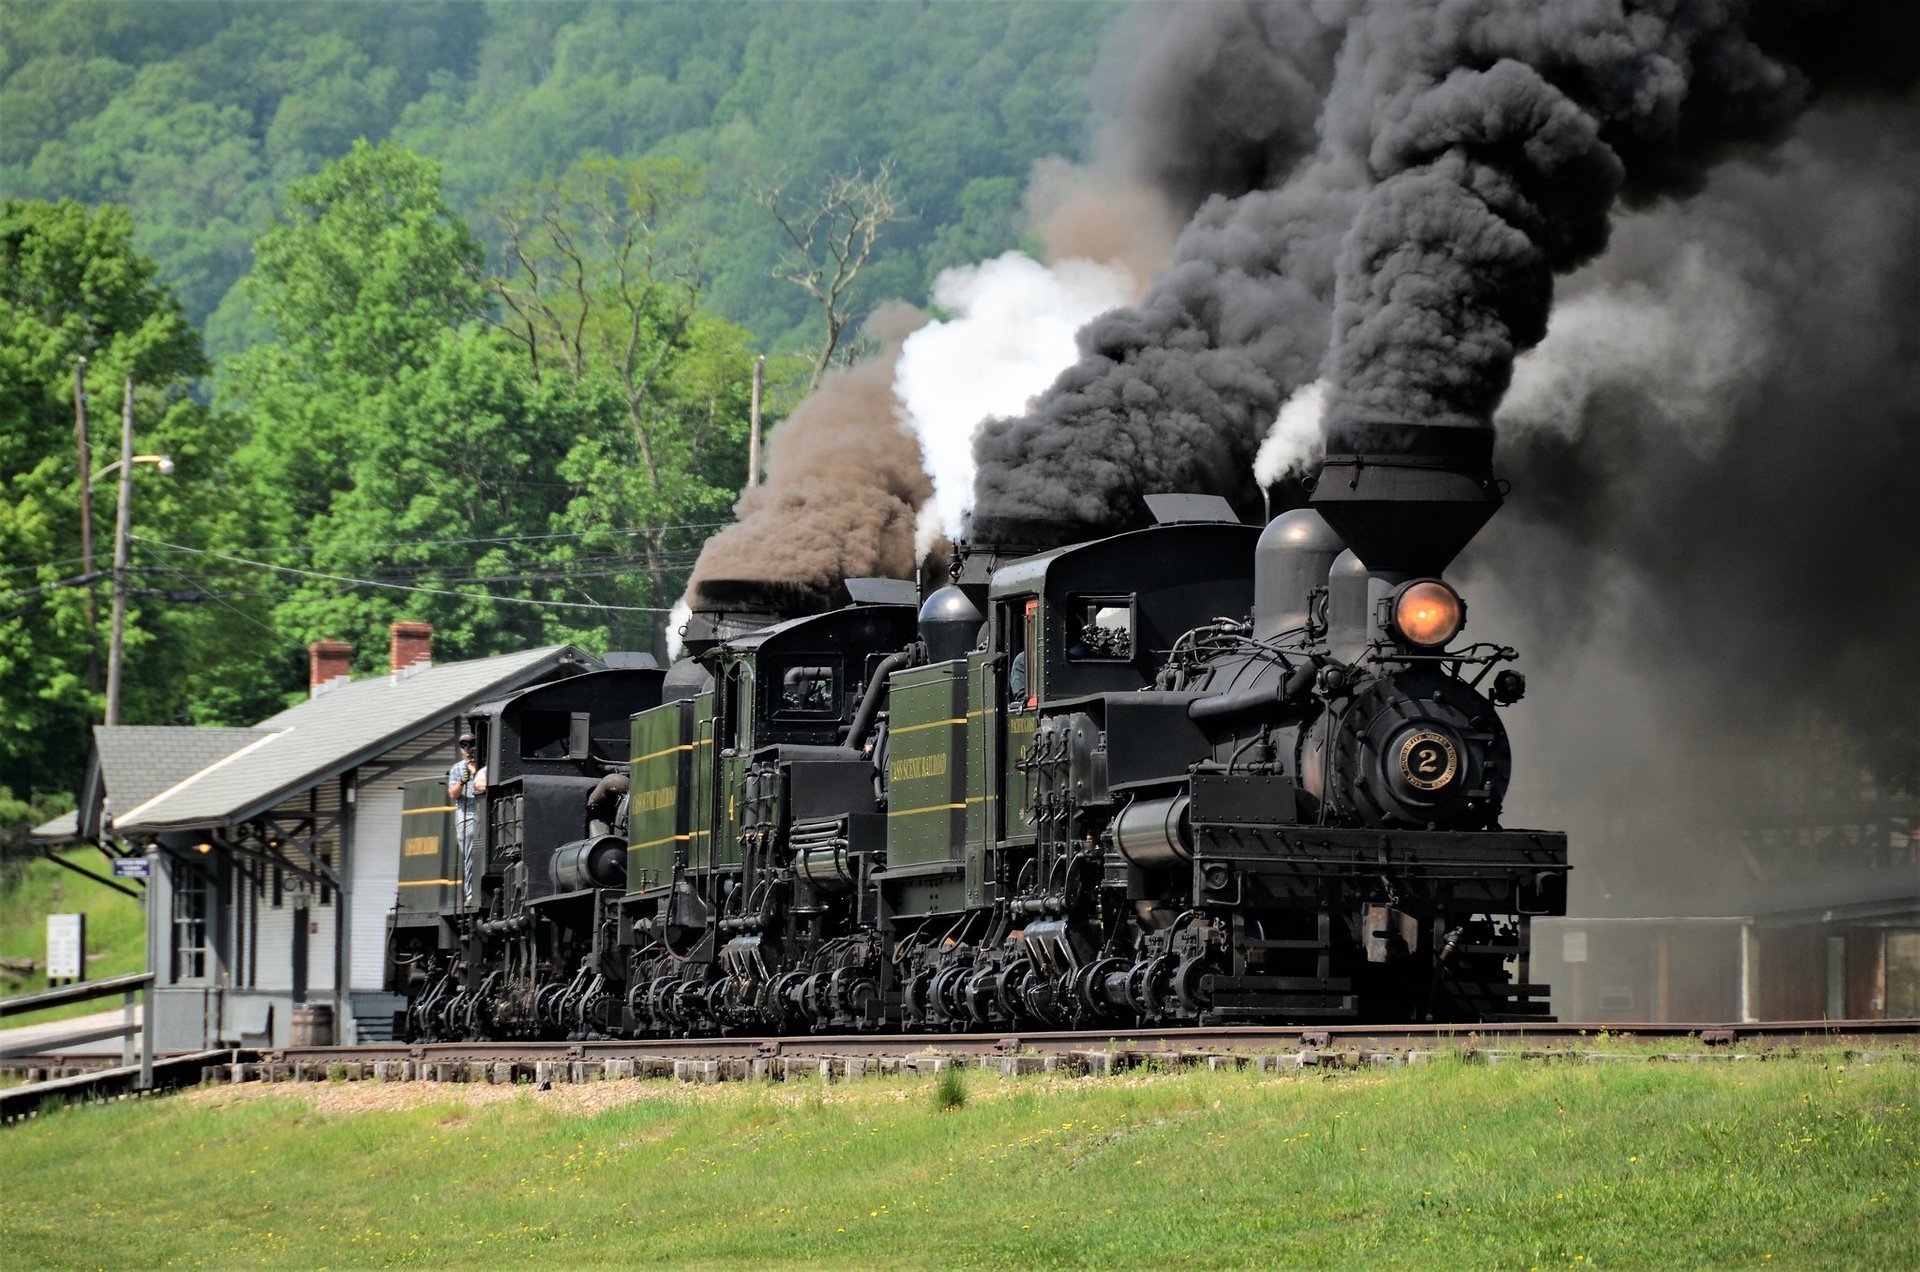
column 1428, row 760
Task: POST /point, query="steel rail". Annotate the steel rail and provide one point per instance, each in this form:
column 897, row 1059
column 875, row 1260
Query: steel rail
column 1225, row 1040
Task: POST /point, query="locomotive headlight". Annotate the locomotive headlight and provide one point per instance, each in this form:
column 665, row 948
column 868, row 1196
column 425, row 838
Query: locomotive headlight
column 1427, row 613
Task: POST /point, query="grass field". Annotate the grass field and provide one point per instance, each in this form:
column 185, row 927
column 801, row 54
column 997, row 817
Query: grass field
column 116, row 929
column 1809, row 1162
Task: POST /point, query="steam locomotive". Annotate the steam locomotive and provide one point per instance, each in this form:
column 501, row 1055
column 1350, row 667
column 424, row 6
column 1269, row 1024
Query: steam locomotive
column 1198, row 772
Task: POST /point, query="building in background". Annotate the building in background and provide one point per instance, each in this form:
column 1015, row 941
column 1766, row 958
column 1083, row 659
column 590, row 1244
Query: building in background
column 276, row 848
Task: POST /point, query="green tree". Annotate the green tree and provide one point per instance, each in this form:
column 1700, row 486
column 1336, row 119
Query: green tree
column 72, row 287
column 420, row 450
column 602, row 292
column 363, row 279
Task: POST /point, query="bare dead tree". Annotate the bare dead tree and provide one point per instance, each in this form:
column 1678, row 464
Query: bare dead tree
column 831, row 237
column 599, row 276
column 603, row 281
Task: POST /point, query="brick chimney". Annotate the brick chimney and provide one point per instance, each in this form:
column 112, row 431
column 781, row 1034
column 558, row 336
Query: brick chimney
column 328, row 661
column 412, row 646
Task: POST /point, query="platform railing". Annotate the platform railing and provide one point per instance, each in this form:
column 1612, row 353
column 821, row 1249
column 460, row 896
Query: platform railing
column 135, row 987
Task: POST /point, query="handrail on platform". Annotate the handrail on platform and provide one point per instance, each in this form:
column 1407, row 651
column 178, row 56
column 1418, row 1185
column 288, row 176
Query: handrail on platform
column 77, row 993
column 134, row 985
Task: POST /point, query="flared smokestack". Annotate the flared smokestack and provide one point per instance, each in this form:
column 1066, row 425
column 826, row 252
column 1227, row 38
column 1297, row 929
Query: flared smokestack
column 1407, row 497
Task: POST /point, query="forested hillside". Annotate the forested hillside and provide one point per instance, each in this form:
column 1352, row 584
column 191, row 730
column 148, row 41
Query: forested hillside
column 444, row 311
column 198, row 115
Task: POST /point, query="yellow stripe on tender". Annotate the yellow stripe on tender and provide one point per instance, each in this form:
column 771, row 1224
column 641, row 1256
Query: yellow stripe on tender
column 930, row 808
column 655, row 843
column 438, row 808
column 429, row 883
column 669, row 751
column 984, row 711
column 983, row 799
column 935, row 724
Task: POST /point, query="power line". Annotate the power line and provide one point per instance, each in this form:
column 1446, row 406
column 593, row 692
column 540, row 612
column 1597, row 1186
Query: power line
column 424, row 543
column 211, row 595
column 401, row 587
column 309, row 548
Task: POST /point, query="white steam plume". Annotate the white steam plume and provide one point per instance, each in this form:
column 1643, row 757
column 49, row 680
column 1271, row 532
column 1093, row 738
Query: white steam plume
column 1011, row 333
column 1293, row 444
column 676, row 624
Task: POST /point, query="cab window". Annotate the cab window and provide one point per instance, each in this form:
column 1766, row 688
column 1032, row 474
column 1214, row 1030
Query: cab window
column 1100, row 629
column 808, row 690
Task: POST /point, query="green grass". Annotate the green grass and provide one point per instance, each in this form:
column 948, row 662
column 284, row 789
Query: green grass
column 116, row 929
column 1803, row 1163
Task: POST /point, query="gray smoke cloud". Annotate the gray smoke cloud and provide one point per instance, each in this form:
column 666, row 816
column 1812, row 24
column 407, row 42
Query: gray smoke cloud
column 844, row 485
column 1715, row 570
column 1388, row 190
column 1221, row 106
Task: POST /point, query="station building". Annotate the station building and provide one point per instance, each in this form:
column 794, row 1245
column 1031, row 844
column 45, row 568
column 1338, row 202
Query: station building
column 275, row 849
column 1804, row 904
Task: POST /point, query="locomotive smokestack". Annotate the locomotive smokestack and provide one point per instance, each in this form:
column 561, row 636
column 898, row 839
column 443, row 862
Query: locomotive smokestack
column 1407, row 497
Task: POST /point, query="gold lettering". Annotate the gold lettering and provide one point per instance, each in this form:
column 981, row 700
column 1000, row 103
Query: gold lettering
column 654, row 800
column 918, row 766
column 422, row 845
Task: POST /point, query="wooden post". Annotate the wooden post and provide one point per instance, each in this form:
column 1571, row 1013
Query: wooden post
column 86, row 520
column 122, row 529
column 753, row 430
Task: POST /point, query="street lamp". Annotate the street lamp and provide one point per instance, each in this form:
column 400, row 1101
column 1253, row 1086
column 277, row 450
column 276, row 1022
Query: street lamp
column 122, row 522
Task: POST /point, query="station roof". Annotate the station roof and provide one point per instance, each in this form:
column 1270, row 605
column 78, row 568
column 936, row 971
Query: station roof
column 137, row 762
column 183, row 778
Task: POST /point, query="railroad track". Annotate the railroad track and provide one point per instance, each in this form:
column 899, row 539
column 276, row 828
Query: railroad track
column 1277, row 1047
column 1273, row 1048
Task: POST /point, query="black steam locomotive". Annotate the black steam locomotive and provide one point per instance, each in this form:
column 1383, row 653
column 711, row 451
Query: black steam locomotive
column 1194, row 773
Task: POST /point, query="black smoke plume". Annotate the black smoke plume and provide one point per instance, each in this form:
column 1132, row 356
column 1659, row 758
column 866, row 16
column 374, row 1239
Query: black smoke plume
column 1404, row 237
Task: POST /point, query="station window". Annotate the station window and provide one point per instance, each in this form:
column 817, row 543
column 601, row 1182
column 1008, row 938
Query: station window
column 192, row 899
column 1100, row 629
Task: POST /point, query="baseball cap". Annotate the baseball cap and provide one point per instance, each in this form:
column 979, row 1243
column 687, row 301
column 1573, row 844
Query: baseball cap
column 466, row 738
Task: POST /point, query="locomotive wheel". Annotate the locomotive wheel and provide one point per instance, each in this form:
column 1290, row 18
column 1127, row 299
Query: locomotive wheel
column 1009, row 987
column 1147, row 985
column 1187, row 989
column 949, row 992
column 982, row 995
column 914, row 996
column 1089, row 984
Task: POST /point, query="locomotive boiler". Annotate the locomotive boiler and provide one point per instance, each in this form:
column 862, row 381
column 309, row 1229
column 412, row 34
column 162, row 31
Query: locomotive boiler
column 1198, row 772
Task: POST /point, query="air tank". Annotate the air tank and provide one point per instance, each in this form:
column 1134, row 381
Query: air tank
column 1293, row 557
column 599, row 862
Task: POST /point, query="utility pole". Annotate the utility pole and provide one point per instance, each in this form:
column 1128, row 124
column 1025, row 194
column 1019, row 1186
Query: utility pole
column 86, row 520
column 753, row 432
column 122, row 529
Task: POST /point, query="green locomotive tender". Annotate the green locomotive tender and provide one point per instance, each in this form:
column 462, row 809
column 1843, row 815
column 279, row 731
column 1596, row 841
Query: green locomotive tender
column 1189, row 774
